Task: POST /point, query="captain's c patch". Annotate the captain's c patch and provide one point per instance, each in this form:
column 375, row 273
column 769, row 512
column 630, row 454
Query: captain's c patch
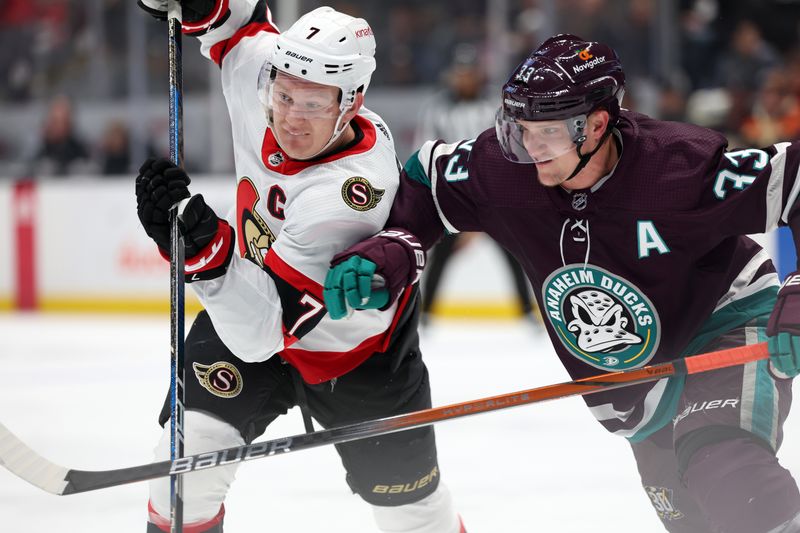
column 220, row 379
column 359, row 194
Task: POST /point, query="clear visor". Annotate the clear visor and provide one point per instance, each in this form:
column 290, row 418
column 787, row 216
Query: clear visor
column 525, row 141
column 293, row 97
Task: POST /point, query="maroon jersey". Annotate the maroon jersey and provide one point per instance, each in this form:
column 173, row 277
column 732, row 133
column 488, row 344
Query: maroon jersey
column 646, row 266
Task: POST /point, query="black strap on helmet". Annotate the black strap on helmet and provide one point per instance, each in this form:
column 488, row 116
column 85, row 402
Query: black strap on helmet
column 584, row 158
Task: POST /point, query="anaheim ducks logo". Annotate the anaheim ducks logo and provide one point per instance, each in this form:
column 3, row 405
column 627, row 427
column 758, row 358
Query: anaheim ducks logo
column 359, row 194
column 220, row 379
column 601, row 318
column 255, row 237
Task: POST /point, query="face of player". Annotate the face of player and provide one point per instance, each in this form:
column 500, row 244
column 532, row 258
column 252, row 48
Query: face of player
column 550, row 146
column 304, row 115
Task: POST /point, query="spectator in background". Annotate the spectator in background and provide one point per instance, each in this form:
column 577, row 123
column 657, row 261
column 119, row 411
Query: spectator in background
column 748, row 58
column 61, row 150
column 672, row 102
column 461, row 111
column 775, row 114
column 743, row 67
column 113, row 152
column 699, row 41
column 792, row 71
column 589, row 17
column 115, row 155
column 17, row 25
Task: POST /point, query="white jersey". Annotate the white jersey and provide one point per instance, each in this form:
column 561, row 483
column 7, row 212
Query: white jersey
column 290, row 218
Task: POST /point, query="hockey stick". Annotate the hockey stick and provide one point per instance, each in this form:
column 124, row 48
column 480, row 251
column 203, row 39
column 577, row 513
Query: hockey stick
column 176, row 268
column 17, row 457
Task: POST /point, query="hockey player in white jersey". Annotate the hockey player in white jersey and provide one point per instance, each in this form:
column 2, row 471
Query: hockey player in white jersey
column 316, row 172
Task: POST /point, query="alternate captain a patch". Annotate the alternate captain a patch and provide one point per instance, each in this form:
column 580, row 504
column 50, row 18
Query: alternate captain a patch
column 220, row 379
column 602, row 319
column 359, row 194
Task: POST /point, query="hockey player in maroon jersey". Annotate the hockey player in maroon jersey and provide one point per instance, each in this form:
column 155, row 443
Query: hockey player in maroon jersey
column 633, row 233
column 316, row 172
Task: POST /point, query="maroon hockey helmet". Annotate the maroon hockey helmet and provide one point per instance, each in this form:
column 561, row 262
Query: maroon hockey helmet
column 566, row 79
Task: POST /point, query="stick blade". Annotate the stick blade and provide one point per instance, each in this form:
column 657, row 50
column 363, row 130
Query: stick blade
column 25, row 463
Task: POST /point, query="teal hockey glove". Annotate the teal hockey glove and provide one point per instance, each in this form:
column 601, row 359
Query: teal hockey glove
column 372, row 273
column 349, row 285
column 784, row 329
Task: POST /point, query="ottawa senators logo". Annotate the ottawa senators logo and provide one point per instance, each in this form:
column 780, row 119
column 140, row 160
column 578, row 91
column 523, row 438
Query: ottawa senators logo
column 359, row 194
column 220, row 379
column 255, row 237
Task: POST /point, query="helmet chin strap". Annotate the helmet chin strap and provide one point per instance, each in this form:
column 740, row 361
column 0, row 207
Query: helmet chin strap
column 584, row 158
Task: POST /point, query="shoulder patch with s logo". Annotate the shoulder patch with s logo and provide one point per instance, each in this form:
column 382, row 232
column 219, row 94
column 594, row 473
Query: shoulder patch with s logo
column 220, row 379
column 359, row 194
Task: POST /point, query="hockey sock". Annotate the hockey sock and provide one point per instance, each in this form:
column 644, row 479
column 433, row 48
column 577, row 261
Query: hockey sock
column 159, row 524
column 432, row 514
column 204, row 490
column 741, row 487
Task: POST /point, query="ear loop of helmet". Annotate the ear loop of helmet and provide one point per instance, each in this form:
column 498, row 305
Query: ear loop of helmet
column 584, row 158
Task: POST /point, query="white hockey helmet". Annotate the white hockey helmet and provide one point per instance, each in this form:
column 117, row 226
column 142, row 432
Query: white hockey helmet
column 330, row 48
column 327, row 47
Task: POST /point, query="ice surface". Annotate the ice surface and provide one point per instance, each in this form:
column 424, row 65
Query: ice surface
column 85, row 391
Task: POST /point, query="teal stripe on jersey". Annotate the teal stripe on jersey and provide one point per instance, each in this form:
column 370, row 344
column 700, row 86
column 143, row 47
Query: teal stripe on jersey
column 665, row 410
column 763, row 417
column 415, row 171
column 733, row 315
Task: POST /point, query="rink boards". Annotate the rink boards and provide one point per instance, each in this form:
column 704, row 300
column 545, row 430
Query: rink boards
column 75, row 244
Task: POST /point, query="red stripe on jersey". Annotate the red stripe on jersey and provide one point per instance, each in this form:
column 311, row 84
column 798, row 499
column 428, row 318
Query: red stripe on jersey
column 221, row 49
column 318, row 367
column 291, row 275
column 24, row 213
column 290, row 166
column 195, row 527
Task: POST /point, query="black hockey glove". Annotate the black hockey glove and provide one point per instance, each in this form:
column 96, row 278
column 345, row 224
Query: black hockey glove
column 159, row 185
column 208, row 240
column 198, row 16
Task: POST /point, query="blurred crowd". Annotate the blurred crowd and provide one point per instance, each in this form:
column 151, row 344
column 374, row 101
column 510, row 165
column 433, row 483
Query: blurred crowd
column 732, row 65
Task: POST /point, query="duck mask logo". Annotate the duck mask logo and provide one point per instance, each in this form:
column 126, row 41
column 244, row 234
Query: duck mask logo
column 601, row 319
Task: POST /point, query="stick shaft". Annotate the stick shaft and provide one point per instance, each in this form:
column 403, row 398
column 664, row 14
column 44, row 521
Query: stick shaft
column 66, row 481
column 20, row 459
column 177, row 373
